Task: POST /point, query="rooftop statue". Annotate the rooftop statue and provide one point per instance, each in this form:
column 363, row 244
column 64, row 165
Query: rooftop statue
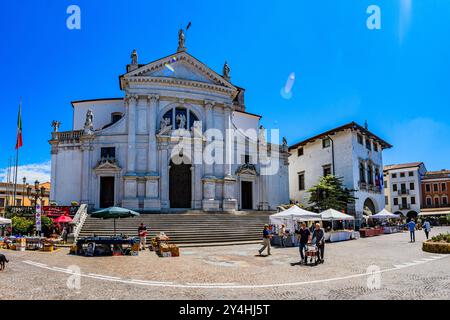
column 134, row 57
column 226, row 71
column 181, row 39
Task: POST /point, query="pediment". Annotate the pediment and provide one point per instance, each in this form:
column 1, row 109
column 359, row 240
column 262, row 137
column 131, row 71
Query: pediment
column 182, row 66
column 107, row 165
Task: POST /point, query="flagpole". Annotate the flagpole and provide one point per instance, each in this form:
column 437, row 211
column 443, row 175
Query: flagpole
column 17, row 150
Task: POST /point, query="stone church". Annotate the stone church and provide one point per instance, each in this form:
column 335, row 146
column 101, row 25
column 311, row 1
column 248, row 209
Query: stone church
column 180, row 138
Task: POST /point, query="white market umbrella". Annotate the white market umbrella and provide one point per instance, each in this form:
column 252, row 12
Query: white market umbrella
column 332, row 215
column 294, row 213
column 385, row 214
column 4, row 221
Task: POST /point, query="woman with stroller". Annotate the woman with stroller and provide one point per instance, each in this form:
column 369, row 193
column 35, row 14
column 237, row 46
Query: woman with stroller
column 318, row 238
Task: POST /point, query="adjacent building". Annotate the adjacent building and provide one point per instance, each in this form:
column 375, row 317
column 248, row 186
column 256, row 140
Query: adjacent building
column 350, row 151
column 403, row 188
column 151, row 148
column 22, row 198
column 435, row 188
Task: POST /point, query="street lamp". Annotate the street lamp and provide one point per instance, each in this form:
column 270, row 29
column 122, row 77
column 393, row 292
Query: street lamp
column 24, row 179
column 39, row 193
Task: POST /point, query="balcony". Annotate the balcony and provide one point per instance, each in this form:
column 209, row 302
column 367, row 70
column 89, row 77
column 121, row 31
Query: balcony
column 404, row 207
column 403, row 192
column 67, row 136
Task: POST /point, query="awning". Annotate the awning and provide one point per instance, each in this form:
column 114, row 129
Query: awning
column 434, row 213
column 4, row 221
column 332, row 214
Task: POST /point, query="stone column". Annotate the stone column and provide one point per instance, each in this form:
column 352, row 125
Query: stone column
column 54, row 174
column 86, row 168
column 130, row 199
column 209, row 203
column 229, row 183
column 131, row 151
column 152, row 199
column 164, row 182
column 197, row 163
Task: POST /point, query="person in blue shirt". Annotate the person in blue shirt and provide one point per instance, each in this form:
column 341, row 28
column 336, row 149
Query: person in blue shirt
column 266, row 240
column 412, row 230
column 427, row 228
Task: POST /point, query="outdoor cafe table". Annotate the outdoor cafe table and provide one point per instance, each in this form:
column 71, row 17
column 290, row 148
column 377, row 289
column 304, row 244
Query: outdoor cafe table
column 106, row 241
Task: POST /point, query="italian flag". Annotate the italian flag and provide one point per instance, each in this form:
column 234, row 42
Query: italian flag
column 19, row 127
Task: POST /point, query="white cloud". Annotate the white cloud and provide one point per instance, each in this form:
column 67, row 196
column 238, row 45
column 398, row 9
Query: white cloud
column 33, row 172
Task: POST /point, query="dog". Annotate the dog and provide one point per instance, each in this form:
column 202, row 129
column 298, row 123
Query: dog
column 3, row 261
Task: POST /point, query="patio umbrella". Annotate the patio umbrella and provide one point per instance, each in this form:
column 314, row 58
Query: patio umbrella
column 63, row 219
column 114, row 213
column 4, row 221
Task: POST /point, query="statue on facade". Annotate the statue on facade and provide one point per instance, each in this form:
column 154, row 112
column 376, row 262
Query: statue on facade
column 165, row 125
column 181, row 39
column 181, row 120
column 262, row 135
column 55, row 125
column 134, row 58
column 285, row 142
column 89, row 123
column 226, row 71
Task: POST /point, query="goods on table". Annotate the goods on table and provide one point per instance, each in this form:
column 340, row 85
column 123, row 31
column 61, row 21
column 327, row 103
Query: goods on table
column 161, row 246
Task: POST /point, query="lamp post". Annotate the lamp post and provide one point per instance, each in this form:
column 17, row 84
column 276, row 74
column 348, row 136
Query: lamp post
column 24, row 179
column 39, row 193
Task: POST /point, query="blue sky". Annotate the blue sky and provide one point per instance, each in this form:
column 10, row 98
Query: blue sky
column 396, row 78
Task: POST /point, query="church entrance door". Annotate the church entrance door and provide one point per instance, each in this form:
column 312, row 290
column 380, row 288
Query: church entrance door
column 180, row 185
column 106, row 192
column 246, row 195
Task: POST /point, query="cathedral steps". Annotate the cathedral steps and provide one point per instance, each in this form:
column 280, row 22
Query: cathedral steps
column 191, row 228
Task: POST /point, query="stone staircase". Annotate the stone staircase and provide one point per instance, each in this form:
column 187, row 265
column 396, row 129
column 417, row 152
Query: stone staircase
column 193, row 228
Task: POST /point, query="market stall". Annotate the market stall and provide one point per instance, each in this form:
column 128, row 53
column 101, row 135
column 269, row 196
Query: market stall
column 387, row 227
column 3, row 224
column 343, row 234
column 104, row 246
column 290, row 218
column 160, row 244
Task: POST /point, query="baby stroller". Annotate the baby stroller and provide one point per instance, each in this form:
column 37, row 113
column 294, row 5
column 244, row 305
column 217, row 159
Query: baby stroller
column 312, row 255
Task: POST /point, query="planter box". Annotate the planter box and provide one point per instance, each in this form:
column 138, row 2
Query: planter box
column 436, row 247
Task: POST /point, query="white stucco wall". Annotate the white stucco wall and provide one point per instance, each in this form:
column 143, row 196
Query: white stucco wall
column 102, row 110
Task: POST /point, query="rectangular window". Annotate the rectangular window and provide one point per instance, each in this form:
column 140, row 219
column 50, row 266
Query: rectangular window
column 402, row 174
column 395, row 201
column 375, row 146
column 386, row 200
column 444, row 187
column 394, row 175
column 2, row 202
column 394, row 187
column 413, row 200
column 403, row 187
column 301, row 181
column 368, row 144
column 18, row 202
column 246, row 159
column 428, row 202
column 411, row 186
column 435, row 187
column 108, row 152
column 404, row 203
column 326, row 170
column 360, row 139
column 444, row 200
column 300, row 152
column 326, row 142
column 411, row 173
column 427, row 188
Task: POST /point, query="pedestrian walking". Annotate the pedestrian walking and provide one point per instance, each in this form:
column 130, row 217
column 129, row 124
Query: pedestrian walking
column 304, row 235
column 142, row 231
column 266, row 240
column 282, row 235
column 412, row 230
column 427, row 228
column 318, row 237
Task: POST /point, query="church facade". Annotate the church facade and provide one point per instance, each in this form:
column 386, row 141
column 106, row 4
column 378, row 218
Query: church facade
column 180, row 138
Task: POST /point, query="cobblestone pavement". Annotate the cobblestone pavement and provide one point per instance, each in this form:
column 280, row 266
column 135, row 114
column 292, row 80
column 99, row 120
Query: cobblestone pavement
column 235, row 272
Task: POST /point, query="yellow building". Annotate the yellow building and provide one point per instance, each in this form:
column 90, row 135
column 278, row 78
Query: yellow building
column 22, row 199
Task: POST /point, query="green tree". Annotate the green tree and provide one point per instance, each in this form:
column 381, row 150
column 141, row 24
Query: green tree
column 330, row 193
column 21, row 225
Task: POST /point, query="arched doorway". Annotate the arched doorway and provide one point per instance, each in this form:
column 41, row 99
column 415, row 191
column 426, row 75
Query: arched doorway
column 411, row 215
column 369, row 207
column 180, row 186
